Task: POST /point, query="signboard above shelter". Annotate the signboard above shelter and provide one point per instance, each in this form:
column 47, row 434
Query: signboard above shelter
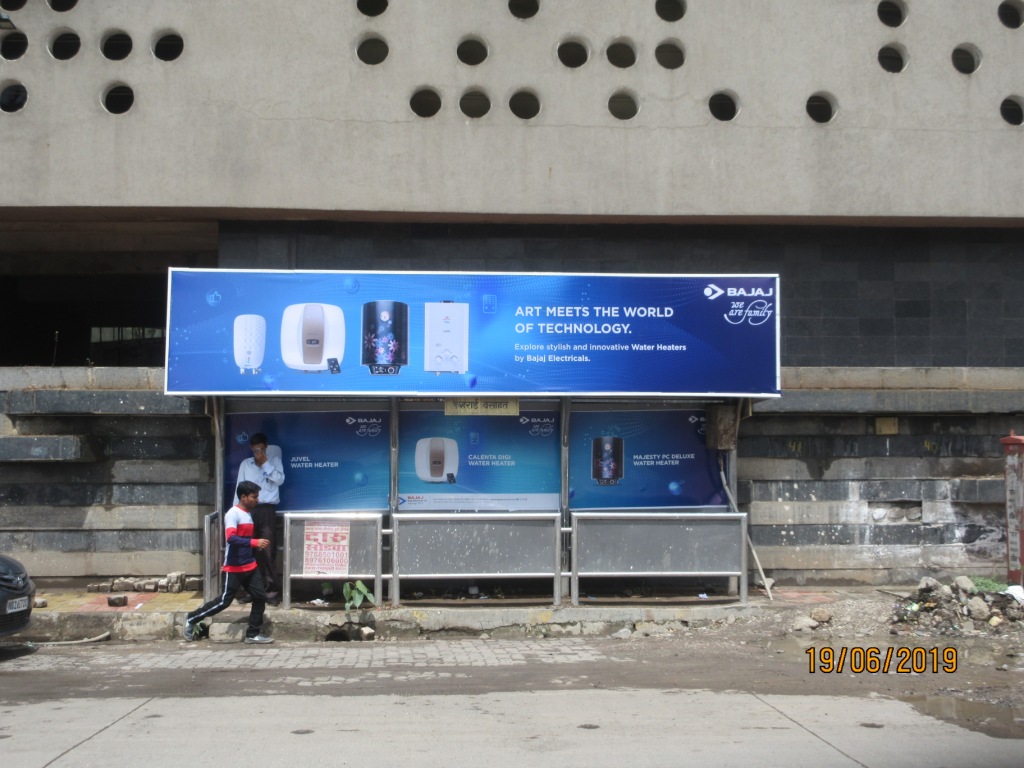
column 471, row 334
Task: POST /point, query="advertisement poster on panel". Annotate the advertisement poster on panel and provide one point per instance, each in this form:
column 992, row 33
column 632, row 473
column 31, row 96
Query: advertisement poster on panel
column 471, row 334
column 474, row 463
column 641, row 459
column 332, row 461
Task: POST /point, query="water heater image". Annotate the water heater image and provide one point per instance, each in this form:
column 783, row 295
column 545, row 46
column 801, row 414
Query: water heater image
column 437, row 459
column 446, row 337
column 385, row 336
column 607, row 460
column 313, row 337
column 250, row 342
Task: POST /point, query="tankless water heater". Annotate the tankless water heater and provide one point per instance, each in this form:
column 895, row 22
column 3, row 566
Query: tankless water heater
column 250, row 342
column 446, row 337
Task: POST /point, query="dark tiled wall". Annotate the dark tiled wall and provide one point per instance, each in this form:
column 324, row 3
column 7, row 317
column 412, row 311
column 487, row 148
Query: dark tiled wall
column 849, row 296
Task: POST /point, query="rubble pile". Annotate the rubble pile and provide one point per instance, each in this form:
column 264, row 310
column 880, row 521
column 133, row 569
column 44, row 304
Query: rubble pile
column 173, row 582
column 961, row 608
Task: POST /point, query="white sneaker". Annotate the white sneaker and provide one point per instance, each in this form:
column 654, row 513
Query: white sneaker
column 259, row 640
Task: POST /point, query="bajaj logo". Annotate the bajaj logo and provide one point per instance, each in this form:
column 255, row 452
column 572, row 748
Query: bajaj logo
column 713, row 292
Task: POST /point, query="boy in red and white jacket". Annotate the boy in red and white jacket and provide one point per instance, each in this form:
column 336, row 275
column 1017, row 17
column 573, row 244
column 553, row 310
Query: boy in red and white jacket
column 239, row 567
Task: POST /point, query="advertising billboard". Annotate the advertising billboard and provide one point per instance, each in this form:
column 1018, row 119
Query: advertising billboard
column 471, row 334
column 338, row 460
column 481, row 463
column 622, row 459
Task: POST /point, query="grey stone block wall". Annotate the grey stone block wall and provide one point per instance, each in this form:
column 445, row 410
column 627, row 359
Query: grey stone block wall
column 103, row 483
column 832, row 500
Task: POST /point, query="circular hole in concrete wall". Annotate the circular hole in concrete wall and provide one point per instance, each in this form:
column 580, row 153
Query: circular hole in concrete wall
column 13, row 45
column 524, row 105
column 118, row 99
column 892, row 13
column 65, row 46
column 966, row 59
column 573, row 54
column 892, row 58
column 425, row 102
column 12, row 5
column 474, row 103
column 13, row 97
column 723, row 106
column 670, row 10
column 471, row 51
column 168, row 46
column 1012, row 110
column 1011, row 13
column 821, row 107
column 63, row 5
column 621, row 54
column 372, row 7
column 373, row 50
column 623, row 106
column 523, row 9
column 116, row 46
column 669, row 55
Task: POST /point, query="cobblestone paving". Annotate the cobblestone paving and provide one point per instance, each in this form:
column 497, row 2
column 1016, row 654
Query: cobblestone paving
column 354, row 656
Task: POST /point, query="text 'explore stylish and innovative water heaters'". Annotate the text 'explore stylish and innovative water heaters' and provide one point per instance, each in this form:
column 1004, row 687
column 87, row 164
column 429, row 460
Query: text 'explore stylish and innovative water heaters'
column 385, row 337
column 446, row 337
column 607, row 460
column 313, row 337
column 437, row 460
column 250, row 342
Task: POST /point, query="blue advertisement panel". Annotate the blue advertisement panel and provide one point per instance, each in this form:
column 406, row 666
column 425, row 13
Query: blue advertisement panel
column 478, row 462
column 641, row 459
column 332, row 461
column 458, row 334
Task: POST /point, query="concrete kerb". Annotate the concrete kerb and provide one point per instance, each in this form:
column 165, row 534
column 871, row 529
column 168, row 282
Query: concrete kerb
column 306, row 625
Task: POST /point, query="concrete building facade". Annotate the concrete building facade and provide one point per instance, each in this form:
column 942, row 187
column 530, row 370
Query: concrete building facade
column 868, row 152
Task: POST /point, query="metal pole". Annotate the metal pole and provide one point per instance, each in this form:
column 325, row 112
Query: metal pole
column 1013, row 448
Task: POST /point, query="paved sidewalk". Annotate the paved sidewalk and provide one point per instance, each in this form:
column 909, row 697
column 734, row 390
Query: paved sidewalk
column 71, row 616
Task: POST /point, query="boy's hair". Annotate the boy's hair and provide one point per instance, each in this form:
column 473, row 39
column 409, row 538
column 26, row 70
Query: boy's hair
column 258, row 439
column 247, row 488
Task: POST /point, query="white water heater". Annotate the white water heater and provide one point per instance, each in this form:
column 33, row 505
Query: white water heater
column 313, row 337
column 437, row 459
column 250, row 342
column 446, row 337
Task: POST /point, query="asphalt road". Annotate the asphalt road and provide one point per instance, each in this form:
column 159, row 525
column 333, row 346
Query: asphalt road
column 706, row 699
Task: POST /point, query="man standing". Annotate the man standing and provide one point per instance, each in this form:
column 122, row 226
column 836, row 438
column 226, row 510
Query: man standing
column 239, row 568
column 266, row 469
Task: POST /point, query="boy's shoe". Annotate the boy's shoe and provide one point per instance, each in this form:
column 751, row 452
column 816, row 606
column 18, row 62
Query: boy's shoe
column 195, row 631
column 259, row 640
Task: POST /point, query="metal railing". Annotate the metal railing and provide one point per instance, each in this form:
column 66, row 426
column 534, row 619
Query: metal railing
column 619, row 543
column 471, row 545
column 364, row 550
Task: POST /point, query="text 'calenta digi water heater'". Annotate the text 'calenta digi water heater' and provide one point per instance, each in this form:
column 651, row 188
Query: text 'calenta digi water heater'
column 250, row 342
column 385, row 346
column 313, row 337
column 446, row 337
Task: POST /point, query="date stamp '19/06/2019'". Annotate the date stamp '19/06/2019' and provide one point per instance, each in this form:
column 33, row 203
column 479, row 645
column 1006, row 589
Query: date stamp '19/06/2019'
column 873, row 660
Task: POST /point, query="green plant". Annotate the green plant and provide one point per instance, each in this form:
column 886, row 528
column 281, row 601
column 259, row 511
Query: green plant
column 985, row 584
column 355, row 592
